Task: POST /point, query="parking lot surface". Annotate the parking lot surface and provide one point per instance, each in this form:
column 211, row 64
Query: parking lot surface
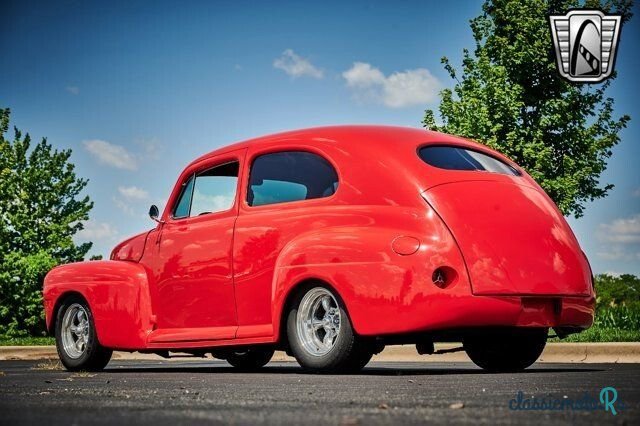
column 211, row 392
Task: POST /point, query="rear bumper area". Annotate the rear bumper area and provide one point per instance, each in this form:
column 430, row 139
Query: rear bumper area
column 576, row 313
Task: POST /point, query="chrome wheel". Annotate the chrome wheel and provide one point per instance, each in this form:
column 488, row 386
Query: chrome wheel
column 75, row 331
column 318, row 321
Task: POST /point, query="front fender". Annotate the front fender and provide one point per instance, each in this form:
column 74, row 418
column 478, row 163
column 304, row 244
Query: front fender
column 117, row 293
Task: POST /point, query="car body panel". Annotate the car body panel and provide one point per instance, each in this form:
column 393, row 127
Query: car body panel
column 191, row 267
column 118, row 293
column 493, row 221
column 226, row 278
column 131, row 249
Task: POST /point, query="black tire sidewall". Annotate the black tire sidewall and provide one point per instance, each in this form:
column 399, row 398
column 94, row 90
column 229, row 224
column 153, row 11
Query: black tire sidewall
column 252, row 359
column 95, row 357
column 503, row 352
column 342, row 354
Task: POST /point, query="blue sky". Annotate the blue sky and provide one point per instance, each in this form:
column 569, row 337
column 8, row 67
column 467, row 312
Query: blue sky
column 139, row 89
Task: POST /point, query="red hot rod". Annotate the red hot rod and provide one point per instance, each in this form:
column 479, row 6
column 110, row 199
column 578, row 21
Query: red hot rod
column 330, row 243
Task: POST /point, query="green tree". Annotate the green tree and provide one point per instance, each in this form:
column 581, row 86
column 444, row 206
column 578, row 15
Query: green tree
column 511, row 97
column 40, row 211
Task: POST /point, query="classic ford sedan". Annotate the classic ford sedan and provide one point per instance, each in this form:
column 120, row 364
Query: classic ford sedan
column 330, row 243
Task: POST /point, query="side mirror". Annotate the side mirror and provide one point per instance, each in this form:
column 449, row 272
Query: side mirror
column 154, row 213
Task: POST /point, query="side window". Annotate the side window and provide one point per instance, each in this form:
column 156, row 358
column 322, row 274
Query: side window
column 215, row 189
column 290, row 176
column 211, row 191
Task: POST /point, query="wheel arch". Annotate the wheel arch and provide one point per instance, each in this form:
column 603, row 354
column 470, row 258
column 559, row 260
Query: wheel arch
column 51, row 327
column 292, row 292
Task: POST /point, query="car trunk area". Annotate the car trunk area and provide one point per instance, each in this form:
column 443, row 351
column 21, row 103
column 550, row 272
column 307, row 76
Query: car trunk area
column 513, row 238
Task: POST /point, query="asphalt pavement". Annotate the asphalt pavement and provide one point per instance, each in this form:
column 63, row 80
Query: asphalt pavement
column 211, row 392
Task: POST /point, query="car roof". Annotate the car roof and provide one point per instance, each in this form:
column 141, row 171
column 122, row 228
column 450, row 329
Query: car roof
column 350, row 137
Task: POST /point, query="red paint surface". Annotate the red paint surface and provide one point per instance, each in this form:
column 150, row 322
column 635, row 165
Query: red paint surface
column 224, row 278
column 405, row 245
column 514, row 239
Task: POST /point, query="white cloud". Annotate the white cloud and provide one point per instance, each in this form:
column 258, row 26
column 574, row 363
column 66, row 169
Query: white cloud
column 398, row 90
column 621, row 231
column 100, row 231
column 636, row 193
column 74, row 90
column 110, row 154
column 151, row 148
column 133, row 193
column 296, row 66
column 127, row 208
column 362, row 76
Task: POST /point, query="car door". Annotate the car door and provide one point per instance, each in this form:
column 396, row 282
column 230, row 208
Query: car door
column 286, row 194
column 194, row 293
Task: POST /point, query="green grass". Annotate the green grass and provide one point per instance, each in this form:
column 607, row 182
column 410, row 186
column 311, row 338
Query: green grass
column 27, row 341
column 602, row 334
column 619, row 323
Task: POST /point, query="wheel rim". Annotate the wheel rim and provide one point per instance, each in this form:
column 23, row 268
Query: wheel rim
column 318, row 321
column 75, row 331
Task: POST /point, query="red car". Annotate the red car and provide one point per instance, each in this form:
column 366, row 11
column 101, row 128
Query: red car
column 330, row 243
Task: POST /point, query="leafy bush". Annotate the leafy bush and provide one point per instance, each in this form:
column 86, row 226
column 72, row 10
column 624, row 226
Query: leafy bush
column 21, row 276
column 618, row 302
column 613, row 291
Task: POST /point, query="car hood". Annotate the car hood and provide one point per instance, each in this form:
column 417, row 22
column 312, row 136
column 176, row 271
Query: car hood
column 130, row 249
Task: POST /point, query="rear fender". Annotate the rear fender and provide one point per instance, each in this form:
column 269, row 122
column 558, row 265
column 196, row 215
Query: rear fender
column 117, row 293
column 382, row 290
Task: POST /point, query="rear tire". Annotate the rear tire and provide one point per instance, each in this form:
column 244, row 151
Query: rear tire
column 250, row 359
column 76, row 338
column 359, row 359
column 320, row 334
column 503, row 351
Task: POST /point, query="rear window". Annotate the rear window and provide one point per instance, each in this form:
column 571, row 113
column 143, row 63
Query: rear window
column 456, row 158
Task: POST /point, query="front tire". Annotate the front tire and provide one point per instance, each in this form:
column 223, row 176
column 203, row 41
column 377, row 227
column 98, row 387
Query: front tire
column 506, row 350
column 320, row 334
column 76, row 339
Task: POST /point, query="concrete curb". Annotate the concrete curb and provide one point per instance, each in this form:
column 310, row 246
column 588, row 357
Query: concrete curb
column 554, row 352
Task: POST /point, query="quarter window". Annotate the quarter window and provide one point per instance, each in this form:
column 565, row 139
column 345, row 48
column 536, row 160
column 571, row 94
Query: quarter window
column 211, row 191
column 182, row 208
column 457, row 158
column 290, row 176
